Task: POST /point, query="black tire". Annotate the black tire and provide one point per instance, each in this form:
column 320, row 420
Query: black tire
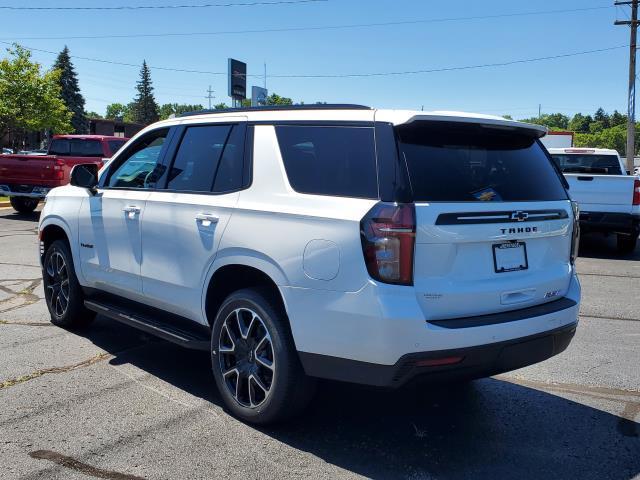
column 24, row 205
column 62, row 291
column 290, row 390
column 626, row 243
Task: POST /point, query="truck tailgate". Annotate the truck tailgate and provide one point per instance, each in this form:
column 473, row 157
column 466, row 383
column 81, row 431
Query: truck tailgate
column 29, row 170
column 602, row 193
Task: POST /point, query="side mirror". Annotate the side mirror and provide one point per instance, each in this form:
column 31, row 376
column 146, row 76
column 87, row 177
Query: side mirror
column 85, row 175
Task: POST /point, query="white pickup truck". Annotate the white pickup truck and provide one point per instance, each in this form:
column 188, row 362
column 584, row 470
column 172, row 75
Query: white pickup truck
column 608, row 197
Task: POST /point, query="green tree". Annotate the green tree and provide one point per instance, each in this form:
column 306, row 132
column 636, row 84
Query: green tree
column 220, row 106
column 145, row 108
column 168, row 109
column 275, row 99
column 618, row 118
column 554, row 121
column 507, row 117
column 30, row 98
column 602, row 117
column 93, row 114
column 70, row 89
column 120, row 112
column 580, row 123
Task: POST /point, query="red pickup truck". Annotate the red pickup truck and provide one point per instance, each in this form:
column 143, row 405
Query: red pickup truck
column 27, row 179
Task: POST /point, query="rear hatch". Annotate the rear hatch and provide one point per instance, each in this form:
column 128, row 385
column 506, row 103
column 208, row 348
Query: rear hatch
column 493, row 220
column 597, row 181
column 27, row 169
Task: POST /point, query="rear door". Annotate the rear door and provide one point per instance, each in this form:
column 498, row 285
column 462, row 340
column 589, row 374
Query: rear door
column 184, row 222
column 493, row 219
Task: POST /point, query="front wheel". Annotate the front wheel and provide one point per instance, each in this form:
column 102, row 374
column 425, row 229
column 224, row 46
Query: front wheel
column 255, row 363
column 24, row 205
column 62, row 291
column 626, row 243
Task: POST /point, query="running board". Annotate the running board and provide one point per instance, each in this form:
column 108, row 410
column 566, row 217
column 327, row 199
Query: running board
column 188, row 338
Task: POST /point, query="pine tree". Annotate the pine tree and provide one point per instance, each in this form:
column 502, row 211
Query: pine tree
column 70, row 91
column 145, row 108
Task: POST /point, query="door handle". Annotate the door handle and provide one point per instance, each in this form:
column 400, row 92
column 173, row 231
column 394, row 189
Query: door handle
column 131, row 211
column 207, row 219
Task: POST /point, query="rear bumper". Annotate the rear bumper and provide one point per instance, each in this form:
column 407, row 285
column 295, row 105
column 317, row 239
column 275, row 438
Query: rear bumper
column 626, row 223
column 28, row 191
column 474, row 362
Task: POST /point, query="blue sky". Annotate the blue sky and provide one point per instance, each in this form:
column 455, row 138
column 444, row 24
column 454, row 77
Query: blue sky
column 568, row 85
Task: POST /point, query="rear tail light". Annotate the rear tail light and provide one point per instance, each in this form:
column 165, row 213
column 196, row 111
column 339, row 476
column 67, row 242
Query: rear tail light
column 58, row 167
column 575, row 235
column 636, row 192
column 388, row 234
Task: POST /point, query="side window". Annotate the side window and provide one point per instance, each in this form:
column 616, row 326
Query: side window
column 202, row 154
column 140, row 168
column 338, row 161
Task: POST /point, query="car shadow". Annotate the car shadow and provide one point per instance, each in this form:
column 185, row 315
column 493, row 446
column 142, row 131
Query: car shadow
column 596, row 245
column 489, row 428
column 24, row 217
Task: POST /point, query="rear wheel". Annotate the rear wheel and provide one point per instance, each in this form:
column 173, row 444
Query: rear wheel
column 23, row 204
column 255, row 363
column 626, row 243
column 62, row 291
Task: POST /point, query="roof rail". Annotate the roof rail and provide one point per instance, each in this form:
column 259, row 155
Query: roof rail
column 267, row 108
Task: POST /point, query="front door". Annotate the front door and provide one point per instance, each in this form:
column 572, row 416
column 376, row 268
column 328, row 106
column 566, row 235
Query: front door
column 110, row 220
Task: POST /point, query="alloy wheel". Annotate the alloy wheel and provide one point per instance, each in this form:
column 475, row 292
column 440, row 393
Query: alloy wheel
column 57, row 284
column 246, row 357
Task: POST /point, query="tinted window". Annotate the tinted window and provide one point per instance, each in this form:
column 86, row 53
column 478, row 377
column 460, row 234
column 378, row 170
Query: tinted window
column 76, row 147
column 139, row 168
column 196, row 162
column 337, row 161
column 599, row 164
column 115, row 145
column 229, row 175
column 470, row 163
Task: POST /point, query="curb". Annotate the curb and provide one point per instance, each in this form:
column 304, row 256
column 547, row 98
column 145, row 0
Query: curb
column 5, row 204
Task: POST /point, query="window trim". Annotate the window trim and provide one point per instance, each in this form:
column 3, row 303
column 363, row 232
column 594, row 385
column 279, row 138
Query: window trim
column 124, row 154
column 329, row 124
column 246, row 163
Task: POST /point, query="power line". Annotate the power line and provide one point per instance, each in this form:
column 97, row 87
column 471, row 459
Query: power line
column 315, row 28
column 348, row 75
column 167, row 7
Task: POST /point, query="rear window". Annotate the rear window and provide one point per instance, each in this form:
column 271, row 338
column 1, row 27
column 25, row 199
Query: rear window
column 470, row 163
column 115, row 145
column 75, row 147
column 329, row 160
column 600, row 164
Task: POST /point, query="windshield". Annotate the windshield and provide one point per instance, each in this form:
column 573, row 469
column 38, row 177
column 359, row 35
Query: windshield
column 450, row 162
column 601, row 164
column 75, row 147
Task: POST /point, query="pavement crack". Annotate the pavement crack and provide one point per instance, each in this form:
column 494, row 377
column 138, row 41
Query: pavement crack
column 602, row 317
column 45, row 371
column 73, row 464
column 27, row 324
column 24, row 297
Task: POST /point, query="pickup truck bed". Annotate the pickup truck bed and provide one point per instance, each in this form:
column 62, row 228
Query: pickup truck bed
column 26, row 179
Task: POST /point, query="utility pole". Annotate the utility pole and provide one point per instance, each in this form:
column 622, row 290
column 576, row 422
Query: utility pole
column 539, row 110
column 210, row 96
column 631, row 111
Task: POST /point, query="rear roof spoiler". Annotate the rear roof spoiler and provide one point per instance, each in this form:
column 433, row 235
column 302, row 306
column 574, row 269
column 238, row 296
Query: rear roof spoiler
column 400, row 117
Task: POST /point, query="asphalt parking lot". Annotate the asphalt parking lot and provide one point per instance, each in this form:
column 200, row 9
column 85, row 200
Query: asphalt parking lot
column 110, row 402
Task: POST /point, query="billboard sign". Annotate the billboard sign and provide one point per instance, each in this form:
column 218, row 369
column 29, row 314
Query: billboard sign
column 258, row 96
column 237, row 79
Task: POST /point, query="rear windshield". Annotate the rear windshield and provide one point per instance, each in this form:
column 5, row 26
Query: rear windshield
column 600, row 164
column 449, row 162
column 75, row 147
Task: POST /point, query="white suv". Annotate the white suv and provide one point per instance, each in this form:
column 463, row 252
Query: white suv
column 332, row 241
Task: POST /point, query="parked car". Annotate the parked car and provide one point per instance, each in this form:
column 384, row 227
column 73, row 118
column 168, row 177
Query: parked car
column 609, row 198
column 28, row 176
column 372, row 246
column 6, row 151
